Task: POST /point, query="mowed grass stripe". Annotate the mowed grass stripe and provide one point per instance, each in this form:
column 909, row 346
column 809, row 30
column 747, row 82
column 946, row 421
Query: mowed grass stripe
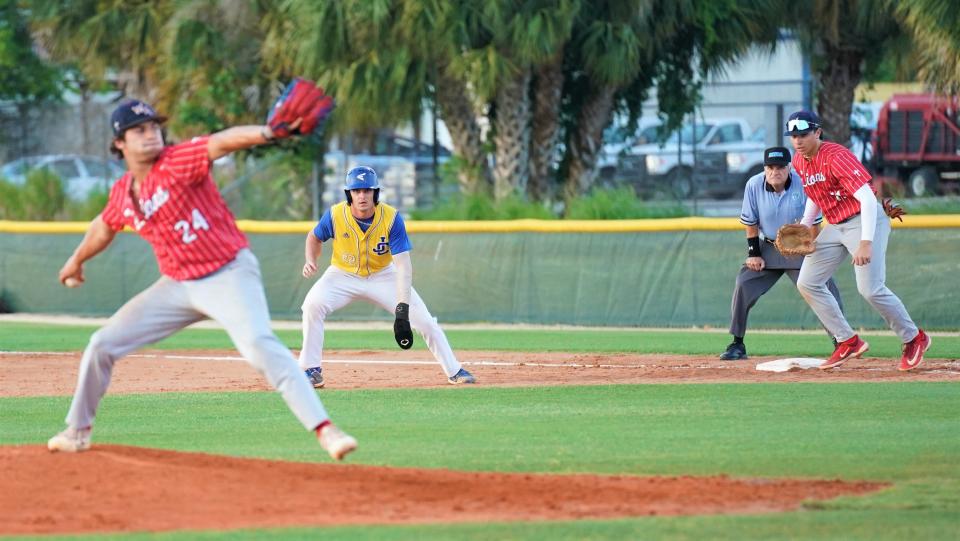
column 857, row 431
column 35, row 337
column 875, row 525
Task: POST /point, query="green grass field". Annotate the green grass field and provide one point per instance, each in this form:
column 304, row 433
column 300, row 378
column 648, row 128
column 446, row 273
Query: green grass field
column 33, row 337
column 906, row 433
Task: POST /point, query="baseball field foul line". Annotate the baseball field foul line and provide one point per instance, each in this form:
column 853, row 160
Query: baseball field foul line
column 360, row 361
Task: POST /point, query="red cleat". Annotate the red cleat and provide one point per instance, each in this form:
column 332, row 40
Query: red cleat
column 854, row 347
column 913, row 351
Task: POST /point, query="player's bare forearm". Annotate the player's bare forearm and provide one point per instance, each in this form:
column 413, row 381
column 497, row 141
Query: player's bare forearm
column 311, row 252
column 753, row 231
column 95, row 240
column 237, row 138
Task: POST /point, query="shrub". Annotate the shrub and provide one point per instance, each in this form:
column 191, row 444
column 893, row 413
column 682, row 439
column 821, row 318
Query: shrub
column 86, row 210
column 620, row 204
column 11, row 204
column 42, row 195
column 482, row 207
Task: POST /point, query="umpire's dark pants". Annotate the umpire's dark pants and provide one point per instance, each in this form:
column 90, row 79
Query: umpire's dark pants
column 751, row 285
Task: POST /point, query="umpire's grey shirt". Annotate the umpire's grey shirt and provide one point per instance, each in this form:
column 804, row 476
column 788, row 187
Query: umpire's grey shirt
column 765, row 208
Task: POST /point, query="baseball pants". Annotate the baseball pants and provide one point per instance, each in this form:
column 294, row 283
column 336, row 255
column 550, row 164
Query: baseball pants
column 833, row 245
column 232, row 296
column 337, row 288
column 751, row 285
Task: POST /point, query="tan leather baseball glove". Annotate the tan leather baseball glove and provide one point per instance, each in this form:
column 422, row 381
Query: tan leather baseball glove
column 794, row 239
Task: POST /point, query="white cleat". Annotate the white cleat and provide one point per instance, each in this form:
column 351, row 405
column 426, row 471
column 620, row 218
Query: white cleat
column 71, row 440
column 336, row 442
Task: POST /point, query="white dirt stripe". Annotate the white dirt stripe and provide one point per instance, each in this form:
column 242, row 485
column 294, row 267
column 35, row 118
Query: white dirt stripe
column 364, row 361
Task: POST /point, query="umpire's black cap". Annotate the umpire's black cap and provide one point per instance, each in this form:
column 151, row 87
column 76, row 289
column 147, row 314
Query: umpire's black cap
column 776, row 156
column 131, row 113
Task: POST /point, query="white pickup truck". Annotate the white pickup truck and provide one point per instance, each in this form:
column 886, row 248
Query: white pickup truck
column 727, row 153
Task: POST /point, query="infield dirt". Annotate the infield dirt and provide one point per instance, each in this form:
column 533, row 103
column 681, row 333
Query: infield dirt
column 47, row 374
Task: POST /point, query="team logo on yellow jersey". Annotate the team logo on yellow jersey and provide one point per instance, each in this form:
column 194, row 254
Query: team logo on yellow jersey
column 382, row 247
column 357, row 251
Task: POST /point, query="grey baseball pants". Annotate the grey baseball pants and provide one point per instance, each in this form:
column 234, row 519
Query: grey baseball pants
column 834, row 244
column 234, row 297
column 751, row 285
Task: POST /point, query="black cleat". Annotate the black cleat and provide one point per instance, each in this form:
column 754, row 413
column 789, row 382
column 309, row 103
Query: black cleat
column 735, row 352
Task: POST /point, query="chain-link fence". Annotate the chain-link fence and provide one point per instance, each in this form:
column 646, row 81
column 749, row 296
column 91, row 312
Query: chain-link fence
column 715, row 151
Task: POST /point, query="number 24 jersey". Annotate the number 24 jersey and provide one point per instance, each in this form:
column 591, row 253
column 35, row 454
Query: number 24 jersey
column 180, row 212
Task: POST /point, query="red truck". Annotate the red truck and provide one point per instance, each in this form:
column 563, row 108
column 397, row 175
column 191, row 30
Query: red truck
column 917, row 143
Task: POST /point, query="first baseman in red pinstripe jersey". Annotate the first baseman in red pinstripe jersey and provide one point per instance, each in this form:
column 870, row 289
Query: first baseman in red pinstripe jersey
column 838, row 185
column 169, row 198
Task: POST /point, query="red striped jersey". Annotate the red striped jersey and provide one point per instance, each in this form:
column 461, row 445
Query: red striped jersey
column 180, row 212
column 830, row 179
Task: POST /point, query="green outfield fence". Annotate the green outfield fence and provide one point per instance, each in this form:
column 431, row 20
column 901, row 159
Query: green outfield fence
column 658, row 273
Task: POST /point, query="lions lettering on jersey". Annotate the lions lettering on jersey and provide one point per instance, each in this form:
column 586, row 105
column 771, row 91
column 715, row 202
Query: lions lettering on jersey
column 813, row 179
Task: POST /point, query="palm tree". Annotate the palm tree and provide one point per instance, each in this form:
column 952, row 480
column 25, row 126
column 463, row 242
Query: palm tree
column 531, row 39
column 624, row 48
column 547, row 92
column 934, row 26
column 518, row 82
column 104, row 37
column 842, row 38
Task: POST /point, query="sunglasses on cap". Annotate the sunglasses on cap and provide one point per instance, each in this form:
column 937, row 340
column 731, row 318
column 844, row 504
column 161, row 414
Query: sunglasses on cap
column 800, row 125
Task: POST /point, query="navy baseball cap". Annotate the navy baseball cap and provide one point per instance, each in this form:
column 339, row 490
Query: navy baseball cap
column 131, row 113
column 776, row 156
column 802, row 122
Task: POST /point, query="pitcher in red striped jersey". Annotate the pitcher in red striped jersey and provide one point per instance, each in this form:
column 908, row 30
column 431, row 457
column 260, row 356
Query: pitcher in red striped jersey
column 838, row 185
column 169, row 198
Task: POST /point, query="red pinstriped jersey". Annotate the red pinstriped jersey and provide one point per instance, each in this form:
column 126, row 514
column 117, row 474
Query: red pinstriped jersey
column 830, row 179
column 179, row 212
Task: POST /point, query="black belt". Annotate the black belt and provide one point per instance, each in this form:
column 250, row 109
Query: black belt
column 848, row 218
column 769, row 241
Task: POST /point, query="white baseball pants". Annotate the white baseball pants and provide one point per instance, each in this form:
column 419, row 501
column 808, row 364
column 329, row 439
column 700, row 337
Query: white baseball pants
column 338, row 288
column 234, row 297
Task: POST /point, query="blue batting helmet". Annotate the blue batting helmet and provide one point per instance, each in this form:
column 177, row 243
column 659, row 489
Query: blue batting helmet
column 362, row 178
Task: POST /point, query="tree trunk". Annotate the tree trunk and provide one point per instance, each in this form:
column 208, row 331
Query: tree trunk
column 839, row 77
column 548, row 90
column 512, row 136
column 458, row 115
column 586, row 141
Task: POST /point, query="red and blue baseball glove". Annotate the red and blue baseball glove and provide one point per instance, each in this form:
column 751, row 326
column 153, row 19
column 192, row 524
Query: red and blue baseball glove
column 299, row 110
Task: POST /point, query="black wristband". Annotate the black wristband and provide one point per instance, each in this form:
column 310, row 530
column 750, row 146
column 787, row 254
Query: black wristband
column 753, row 246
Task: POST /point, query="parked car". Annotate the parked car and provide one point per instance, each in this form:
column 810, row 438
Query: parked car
column 386, row 143
column 675, row 166
column 745, row 159
column 81, row 175
column 618, row 140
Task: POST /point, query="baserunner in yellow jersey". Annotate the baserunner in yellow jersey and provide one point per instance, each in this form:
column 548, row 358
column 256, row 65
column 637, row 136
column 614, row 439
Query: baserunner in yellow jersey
column 370, row 260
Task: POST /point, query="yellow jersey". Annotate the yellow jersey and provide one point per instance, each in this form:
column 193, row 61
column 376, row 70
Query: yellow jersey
column 356, row 251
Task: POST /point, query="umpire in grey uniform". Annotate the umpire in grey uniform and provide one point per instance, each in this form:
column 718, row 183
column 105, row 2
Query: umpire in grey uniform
column 770, row 199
